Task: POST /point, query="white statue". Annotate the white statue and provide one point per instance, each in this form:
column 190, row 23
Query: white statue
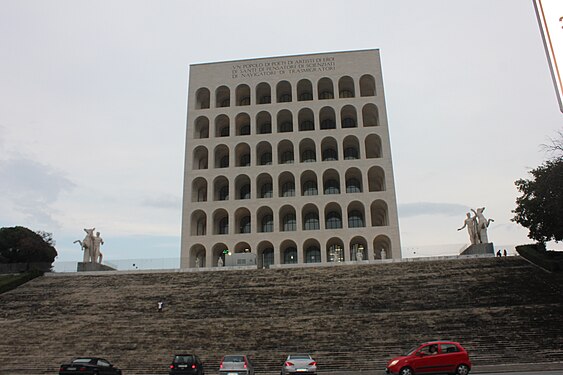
column 220, row 262
column 383, row 254
column 97, row 254
column 91, row 246
column 360, row 254
column 471, row 225
column 197, row 262
column 482, row 225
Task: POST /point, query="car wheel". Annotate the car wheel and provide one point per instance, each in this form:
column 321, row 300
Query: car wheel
column 462, row 370
column 406, row 371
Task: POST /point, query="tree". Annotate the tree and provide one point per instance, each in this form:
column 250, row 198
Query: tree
column 540, row 208
column 22, row 245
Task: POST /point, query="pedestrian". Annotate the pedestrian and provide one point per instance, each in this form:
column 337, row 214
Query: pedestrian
column 160, row 304
column 498, row 253
column 504, row 252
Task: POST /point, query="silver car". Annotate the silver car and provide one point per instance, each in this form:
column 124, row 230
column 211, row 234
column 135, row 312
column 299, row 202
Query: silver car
column 299, row 364
column 237, row 364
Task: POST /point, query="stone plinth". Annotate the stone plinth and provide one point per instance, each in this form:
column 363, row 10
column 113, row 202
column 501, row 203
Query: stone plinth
column 91, row 266
column 480, row 248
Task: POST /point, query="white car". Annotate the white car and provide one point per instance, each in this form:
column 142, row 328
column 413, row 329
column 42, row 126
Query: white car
column 299, row 364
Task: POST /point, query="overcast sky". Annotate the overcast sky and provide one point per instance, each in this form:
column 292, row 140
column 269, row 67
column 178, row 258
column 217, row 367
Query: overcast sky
column 93, row 107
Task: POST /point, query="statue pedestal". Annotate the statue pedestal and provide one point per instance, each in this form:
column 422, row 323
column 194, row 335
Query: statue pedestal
column 480, row 248
column 91, row 266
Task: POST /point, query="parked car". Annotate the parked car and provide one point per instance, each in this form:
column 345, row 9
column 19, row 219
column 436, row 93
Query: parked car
column 237, row 364
column 89, row 366
column 436, row 357
column 299, row 363
column 186, row 364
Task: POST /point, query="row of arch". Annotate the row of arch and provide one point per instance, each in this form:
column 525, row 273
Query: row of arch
column 286, row 219
column 284, row 120
column 334, row 250
column 285, row 92
column 307, row 152
column 309, row 185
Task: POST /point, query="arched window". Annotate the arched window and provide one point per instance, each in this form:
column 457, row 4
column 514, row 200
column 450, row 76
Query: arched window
column 304, row 90
column 288, row 189
column 325, row 88
column 353, row 185
column 312, row 254
column 289, row 223
column 202, row 98
column 202, row 194
column 224, row 226
column 268, row 223
column 308, row 156
column 355, row 219
column 223, row 96
column 367, row 85
column 348, row 122
column 266, row 191
column 346, row 87
column 333, row 220
column 311, row 221
column 310, row 188
column 336, row 253
column 290, row 255
column 245, row 191
column 263, row 93
column 283, row 91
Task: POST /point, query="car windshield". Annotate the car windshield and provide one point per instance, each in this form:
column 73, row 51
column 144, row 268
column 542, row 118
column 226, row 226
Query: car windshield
column 299, row 356
column 183, row 359
column 82, row 360
column 411, row 351
column 233, row 358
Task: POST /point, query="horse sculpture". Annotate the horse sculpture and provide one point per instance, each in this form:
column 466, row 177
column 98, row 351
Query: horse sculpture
column 87, row 245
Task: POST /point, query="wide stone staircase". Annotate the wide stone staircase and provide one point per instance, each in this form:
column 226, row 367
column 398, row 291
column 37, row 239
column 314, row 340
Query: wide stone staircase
column 503, row 310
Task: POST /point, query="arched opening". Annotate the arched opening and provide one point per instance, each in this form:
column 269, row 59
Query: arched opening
column 379, row 214
column 220, row 221
column 325, row 88
column 288, row 220
column 306, row 120
column 221, row 189
column 309, row 184
column 351, row 147
column 197, row 257
column 200, row 158
column 312, row 251
column 265, row 219
column 242, row 221
column 329, row 149
column 348, row 117
column 264, row 153
column 243, row 95
column 219, row 250
column 242, row 124
column 264, row 186
column 367, row 85
column 358, row 249
column 242, row 186
column 263, row 93
column 346, row 87
column 222, row 126
column 370, row 115
column 202, row 98
column 335, row 250
column 327, row 118
column 201, row 127
column 221, row 156
column 333, row 216
column 263, row 123
column 353, row 181
column 376, row 179
column 285, row 121
column 242, row 155
column 199, row 190
column 304, row 90
column 310, row 217
column 289, row 252
column 223, row 97
column 265, row 254
column 356, row 215
column 283, row 90
column 382, row 247
column 373, row 146
column 286, row 185
column 307, row 151
column 198, row 223
column 285, row 152
column 331, row 182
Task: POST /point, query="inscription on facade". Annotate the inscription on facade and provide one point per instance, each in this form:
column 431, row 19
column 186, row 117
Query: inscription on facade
column 283, row 67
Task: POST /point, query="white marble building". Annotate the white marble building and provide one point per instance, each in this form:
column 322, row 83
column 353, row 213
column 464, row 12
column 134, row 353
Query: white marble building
column 289, row 158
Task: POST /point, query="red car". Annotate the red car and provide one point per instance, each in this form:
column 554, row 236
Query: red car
column 436, row 357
